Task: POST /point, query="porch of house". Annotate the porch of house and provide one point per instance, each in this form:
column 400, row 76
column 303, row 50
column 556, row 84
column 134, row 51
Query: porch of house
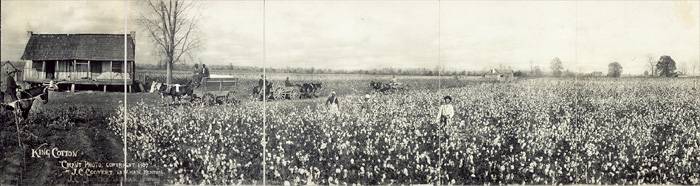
column 103, row 74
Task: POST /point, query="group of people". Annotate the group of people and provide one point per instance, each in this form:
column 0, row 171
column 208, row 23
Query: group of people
column 445, row 111
column 200, row 75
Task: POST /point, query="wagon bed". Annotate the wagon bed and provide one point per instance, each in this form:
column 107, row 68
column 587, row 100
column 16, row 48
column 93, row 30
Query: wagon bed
column 224, row 94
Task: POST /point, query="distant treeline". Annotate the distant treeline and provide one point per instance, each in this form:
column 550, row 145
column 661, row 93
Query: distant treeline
column 378, row 71
column 312, row 70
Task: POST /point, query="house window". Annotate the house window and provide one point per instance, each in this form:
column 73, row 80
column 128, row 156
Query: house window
column 38, row 65
column 117, row 66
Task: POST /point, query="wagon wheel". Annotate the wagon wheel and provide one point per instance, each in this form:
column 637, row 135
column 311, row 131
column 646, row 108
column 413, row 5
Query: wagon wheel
column 279, row 96
column 283, row 94
column 293, row 94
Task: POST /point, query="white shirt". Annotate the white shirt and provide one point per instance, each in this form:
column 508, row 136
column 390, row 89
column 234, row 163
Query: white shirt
column 446, row 110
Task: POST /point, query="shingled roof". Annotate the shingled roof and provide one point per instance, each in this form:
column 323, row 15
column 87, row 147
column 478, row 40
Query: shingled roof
column 103, row 47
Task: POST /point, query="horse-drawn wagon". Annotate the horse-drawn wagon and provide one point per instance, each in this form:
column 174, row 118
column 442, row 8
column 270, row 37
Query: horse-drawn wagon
column 218, row 96
column 295, row 91
column 300, row 91
column 390, row 87
column 202, row 92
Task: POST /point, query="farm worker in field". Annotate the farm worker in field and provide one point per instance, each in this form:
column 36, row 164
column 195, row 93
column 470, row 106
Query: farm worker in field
column 332, row 103
column 365, row 103
column 446, row 111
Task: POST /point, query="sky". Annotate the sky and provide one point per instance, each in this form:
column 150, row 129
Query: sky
column 363, row 34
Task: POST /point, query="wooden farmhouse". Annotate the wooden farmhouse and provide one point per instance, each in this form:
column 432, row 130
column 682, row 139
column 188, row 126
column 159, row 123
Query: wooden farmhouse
column 84, row 60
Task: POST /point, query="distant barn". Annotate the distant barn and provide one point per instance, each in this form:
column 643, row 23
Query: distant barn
column 87, row 60
column 500, row 75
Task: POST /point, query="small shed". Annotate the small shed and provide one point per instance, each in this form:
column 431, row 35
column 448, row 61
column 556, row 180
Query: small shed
column 79, row 59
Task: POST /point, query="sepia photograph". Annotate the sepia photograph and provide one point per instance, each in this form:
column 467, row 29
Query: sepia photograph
column 349, row 92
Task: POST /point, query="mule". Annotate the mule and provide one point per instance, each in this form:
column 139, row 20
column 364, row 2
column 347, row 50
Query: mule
column 175, row 91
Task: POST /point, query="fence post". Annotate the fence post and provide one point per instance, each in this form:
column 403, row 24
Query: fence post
column 220, row 84
column 2, row 71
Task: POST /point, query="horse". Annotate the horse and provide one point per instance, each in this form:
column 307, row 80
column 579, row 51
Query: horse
column 308, row 90
column 375, row 85
column 257, row 90
column 173, row 90
column 384, row 87
column 317, row 86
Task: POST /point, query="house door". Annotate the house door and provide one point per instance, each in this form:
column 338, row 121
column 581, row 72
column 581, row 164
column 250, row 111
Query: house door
column 50, row 69
column 82, row 70
column 95, row 69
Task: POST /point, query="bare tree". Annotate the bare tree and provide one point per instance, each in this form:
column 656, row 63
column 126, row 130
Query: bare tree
column 557, row 67
column 172, row 26
column 652, row 65
column 683, row 68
